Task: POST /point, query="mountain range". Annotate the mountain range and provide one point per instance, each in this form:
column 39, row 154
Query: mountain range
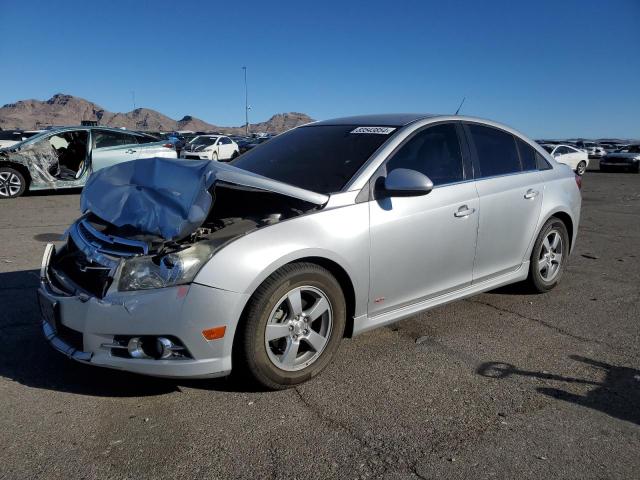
column 62, row 109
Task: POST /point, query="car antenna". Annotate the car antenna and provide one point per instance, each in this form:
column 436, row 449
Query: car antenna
column 460, row 106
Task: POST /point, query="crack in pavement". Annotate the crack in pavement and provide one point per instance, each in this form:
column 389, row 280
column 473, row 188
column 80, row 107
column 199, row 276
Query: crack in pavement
column 548, row 325
column 335, row 424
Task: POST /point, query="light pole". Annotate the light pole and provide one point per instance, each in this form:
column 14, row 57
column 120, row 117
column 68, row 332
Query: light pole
column 246, row 104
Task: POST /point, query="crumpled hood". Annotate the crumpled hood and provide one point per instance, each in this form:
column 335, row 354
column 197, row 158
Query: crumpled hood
column 170, row 198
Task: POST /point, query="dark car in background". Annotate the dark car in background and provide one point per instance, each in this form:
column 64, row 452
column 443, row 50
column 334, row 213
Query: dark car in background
column 626, row 158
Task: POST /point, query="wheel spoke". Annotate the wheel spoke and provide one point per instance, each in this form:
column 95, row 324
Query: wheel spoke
column 546, row 244
column 295, row 302
column 556, row 240
column 542, row 266
column 316, row 340
column 558, row 258
column 291, row 353
column 276, row 330
column 318, row 309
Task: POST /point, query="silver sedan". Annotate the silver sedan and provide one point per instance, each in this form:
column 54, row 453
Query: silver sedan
column 328, row 230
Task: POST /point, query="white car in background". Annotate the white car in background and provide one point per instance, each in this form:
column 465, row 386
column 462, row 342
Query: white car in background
column 577, row 159
column 210, row 147
column 8, row 138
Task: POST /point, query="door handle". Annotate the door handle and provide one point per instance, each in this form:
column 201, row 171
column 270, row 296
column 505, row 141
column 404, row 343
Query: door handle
column 131, row 150
column 531, row 194
column 464, row 211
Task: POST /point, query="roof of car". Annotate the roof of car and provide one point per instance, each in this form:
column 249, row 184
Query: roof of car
column 383, row 119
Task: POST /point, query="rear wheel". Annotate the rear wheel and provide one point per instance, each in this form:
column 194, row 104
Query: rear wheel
column 581, row 168
column 549, row 256
column 12, row 183
column 292, row 327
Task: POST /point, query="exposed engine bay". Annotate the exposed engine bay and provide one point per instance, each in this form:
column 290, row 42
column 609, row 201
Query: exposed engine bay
column 100, row 256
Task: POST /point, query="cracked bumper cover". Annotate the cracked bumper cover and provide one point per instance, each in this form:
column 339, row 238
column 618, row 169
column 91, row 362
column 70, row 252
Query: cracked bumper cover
column 182, row 311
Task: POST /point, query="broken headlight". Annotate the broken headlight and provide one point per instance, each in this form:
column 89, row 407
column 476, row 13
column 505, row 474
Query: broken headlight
column 143, row 273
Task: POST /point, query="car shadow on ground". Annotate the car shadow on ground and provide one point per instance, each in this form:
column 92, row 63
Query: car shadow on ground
column 617, row 395
column 60, row 192
column 28, row 359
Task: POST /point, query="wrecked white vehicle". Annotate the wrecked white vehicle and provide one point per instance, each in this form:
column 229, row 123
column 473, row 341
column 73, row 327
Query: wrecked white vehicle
column 65, row 157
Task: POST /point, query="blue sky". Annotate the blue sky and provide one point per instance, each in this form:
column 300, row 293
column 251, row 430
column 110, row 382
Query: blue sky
column 548, row 68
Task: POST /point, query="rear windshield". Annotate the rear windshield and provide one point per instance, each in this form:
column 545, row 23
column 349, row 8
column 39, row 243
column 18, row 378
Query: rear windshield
column 320, row 158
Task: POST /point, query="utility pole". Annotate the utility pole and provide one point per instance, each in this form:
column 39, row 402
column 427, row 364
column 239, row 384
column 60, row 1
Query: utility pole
column 246, row 104
column 133, row 98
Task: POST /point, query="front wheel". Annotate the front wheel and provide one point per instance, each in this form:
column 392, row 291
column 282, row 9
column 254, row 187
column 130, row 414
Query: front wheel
column 581, row 168
column 549, row 256
column 292, row 327
column 214, row 156
column 12, row 183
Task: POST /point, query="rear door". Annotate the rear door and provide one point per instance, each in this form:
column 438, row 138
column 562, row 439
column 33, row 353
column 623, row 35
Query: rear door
column 111, row 147
column 423, row 246
column 510, row 190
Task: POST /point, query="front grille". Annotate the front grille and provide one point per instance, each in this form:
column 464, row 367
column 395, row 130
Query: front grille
column 70, row 336
column 109, row 244
column 72, row 264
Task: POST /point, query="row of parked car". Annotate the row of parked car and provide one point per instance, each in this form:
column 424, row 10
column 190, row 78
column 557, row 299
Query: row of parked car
column 611, row 155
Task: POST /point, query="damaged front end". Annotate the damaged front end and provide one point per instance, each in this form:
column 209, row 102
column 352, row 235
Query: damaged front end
column 153, row 223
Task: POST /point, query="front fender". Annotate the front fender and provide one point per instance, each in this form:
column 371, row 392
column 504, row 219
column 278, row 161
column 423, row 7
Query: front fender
column 340, row 235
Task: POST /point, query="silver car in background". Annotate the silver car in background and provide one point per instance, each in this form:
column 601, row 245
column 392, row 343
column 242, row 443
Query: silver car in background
column 329, row 230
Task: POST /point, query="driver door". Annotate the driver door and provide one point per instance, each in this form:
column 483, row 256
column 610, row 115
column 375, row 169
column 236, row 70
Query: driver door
column 424, row 246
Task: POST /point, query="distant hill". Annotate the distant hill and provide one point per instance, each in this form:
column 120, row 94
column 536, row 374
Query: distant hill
column 64, row 109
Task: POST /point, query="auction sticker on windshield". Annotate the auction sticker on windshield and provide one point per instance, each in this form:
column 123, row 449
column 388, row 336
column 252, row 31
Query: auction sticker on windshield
column 377, row 130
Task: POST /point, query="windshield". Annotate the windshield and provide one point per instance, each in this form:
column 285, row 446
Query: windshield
column 203, row 141
column 31, row 140
column 320, row 158
column 630, row 149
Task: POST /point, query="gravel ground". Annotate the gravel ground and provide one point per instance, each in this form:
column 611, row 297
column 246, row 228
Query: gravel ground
column 503, row 385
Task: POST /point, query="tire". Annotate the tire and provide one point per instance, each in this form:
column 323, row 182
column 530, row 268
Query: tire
column 12, row 183
column 581, row 168
column 636, row 168
column 289, row 358
column 604, row 168
column 547, row 262
column 235, row 155
column 214, row 157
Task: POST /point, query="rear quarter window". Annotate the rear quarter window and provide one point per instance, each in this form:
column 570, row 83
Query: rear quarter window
column 527, row 155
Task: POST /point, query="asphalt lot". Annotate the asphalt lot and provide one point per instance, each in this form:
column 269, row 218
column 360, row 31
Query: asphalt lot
column 503, row 385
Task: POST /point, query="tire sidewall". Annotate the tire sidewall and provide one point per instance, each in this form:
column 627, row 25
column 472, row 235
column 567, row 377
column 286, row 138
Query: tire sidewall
column 540, row 283
column 255, row 349
column 581, row 171
column 23, row 182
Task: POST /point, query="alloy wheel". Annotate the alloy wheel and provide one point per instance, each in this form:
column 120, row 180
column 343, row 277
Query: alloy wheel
column 551, row 255
column 582, row 167
column 299, row 328
column 10, row 184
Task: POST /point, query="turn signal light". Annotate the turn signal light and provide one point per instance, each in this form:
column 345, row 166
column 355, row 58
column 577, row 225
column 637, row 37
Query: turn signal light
column 214, row 333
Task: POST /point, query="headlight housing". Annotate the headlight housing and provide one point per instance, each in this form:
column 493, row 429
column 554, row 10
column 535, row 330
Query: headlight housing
column 143, row 273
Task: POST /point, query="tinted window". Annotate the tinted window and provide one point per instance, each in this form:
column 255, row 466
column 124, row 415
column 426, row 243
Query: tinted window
column 434, row 152
column 225, row 141
column 541, row 162
column 320, row 158
column 496, row 151
column 527, row 155
column 146, row 139
column 112, row 139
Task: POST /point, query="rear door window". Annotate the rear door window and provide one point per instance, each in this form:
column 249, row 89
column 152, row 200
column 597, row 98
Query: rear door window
column 527, row 155
column 496, row 151
column 434, row 152
column 106, row 139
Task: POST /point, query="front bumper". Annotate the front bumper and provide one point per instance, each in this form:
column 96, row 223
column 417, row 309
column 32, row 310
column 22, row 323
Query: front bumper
column 182, row 312
column 195, row 155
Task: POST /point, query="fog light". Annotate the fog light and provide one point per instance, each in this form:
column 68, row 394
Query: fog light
column 165, row 347
column 134, row 347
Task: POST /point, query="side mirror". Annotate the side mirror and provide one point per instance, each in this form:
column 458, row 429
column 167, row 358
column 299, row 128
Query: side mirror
column 403, row 182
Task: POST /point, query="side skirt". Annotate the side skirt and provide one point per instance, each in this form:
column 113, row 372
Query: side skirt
column 365, row 323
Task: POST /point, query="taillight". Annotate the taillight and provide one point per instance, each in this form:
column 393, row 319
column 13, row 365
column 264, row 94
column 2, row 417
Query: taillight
column 579, row 181
column 168, row 145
